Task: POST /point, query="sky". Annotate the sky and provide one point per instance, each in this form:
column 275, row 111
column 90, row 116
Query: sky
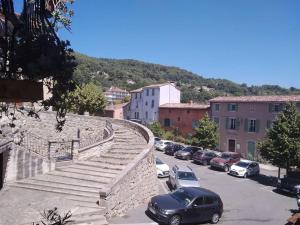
column 247, row 41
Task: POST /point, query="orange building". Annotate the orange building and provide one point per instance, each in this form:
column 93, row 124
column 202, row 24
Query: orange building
column 182, row 117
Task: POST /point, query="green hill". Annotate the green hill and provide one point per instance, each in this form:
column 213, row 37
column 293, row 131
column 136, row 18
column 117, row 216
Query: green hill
column 132, row 74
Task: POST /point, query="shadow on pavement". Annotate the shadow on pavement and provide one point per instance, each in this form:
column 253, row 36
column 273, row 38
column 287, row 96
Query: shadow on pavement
column 265, row 180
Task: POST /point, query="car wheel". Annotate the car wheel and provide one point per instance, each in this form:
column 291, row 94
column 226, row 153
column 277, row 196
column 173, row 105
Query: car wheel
column 175, row 220
column 245, row 175
column 215, row 218
column 204, row 163
column 226, row 169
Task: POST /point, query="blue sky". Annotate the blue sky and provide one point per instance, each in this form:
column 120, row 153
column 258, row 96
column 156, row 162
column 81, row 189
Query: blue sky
column 246, row 41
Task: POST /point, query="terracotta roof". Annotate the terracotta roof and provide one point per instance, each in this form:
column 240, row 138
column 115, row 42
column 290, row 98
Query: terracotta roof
column 184, row 106
column 115, row 89
column 137, row 90
column 266, row 98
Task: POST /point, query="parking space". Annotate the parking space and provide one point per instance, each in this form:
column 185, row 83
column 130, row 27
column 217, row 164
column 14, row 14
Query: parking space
column 246, row 201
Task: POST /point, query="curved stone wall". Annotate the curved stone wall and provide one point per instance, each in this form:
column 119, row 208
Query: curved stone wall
column 137, row 183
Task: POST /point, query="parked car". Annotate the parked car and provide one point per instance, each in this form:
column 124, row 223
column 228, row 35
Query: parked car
column 186, row 205
column 244, row 168
column 204, row 157
column 187, row 152
column 290, row 183
column 162, row 144
column 162, row 169
column 182, row 176
column 225, row 160
column 171, row 149
column 156, row 141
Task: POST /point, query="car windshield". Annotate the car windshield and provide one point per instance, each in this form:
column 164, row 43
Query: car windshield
column 187, row 149
column 225, row 156
column 158, row 161
column 242, row 164
column 186, row 176
column 199, row 152
column 182, row 196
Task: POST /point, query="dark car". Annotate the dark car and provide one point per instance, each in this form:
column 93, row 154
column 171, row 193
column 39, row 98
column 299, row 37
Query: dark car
column 225, row 160
column 171, row 149
column 203, row 157
column 186, row 205
column 290, row 183
column 187, row 152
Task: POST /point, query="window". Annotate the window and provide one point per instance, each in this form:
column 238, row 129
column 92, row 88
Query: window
column 195, row 124
column 232, row 107
column 140, row 95
column 136, row 96
column 167, row 122
column 277, row 107
column 216, row 120
column 146, row 103
column 147, row 92
column 232, row 124
column 137, row 105
column 152, row 104
column 217, row 107
column 136, row 115
column 188, row 111
column 199, row 201
column 251, row 125
column 208, row 200
column 153, row 91
column 178, row 119
column 146, row 114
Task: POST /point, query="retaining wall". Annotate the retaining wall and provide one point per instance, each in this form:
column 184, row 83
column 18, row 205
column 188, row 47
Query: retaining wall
column 137, row 183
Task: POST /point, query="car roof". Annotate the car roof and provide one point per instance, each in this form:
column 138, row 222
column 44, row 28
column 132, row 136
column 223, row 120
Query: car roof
column 197, row 191
column 247, row 161
column 183, row 168
column 231, row 153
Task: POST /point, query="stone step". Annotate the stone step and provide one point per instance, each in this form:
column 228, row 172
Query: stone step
column 60, row 185
column 113, row 162
column 84, row 201
column 124, row 152
column 87, row 172
column 94, row 169
column 55, row 190
column 101, row 165
column 115, row 156
column 83, row 177
column 92, row 220
column 85, row 210
column 68, row 180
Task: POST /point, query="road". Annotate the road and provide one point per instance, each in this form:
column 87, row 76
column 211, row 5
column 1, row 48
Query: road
column 248, row 201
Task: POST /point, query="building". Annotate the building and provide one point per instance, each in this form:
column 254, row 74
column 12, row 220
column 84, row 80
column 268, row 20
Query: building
column 182, row 117
column 115, row 93
column 114, row 111
column 243, row 121
column 145, row 102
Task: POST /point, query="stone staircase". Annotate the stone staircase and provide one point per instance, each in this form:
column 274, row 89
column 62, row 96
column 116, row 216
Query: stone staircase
column 81, row 181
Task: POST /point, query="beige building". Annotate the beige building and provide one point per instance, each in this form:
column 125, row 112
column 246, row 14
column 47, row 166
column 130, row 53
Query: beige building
column 243, row 121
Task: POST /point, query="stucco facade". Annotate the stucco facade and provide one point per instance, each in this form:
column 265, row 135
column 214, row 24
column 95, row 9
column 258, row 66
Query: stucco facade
column 181, row 118
column 243, row 121
column 145, row 102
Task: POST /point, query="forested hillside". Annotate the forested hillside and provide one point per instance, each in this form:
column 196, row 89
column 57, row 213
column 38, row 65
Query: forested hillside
column 132, row 74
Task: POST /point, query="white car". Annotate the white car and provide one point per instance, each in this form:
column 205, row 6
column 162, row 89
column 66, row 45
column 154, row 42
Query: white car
column 162, row 169
column 244, row 168
column 162, row 144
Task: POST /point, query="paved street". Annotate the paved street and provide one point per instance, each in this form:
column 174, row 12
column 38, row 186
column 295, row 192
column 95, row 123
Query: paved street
column 246, row 201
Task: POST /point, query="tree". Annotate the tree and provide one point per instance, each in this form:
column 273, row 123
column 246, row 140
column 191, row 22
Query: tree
column 206, row 133
column 87, row 98
column 282, row 145
column 156, row 129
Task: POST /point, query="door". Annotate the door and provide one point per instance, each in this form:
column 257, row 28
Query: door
column 231, row 145
column 250, row 150
column 1, row 170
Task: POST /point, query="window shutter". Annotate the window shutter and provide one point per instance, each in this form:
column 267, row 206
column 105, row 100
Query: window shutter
column 246, row 125
column 227, row 122
column 237, row 123
column 268, row 124
column 257, row 126
column 270, row 107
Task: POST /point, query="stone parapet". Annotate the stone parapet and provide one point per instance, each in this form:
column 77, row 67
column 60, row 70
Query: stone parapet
column 137, row 183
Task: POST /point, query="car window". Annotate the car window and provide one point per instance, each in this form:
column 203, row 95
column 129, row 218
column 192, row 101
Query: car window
column 186, row 176
column 182, row 196
column 158, row 161
column 208, row 200
column 199, row 201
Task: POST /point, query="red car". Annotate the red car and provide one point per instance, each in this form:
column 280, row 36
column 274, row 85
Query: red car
column 225, row 160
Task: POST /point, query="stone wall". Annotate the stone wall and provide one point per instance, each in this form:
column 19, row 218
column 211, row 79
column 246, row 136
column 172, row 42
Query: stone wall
column 137, row 183
column 20, row 164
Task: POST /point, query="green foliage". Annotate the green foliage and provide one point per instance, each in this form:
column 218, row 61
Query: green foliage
column 52, row 217
column 156, row 129
column 87, row 98
column 282, row 145
column 132, row 74
column 206, row 133
column 126, row 99
column 168, row 135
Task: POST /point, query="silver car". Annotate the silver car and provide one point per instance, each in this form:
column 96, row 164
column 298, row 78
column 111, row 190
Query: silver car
column 182, row 176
